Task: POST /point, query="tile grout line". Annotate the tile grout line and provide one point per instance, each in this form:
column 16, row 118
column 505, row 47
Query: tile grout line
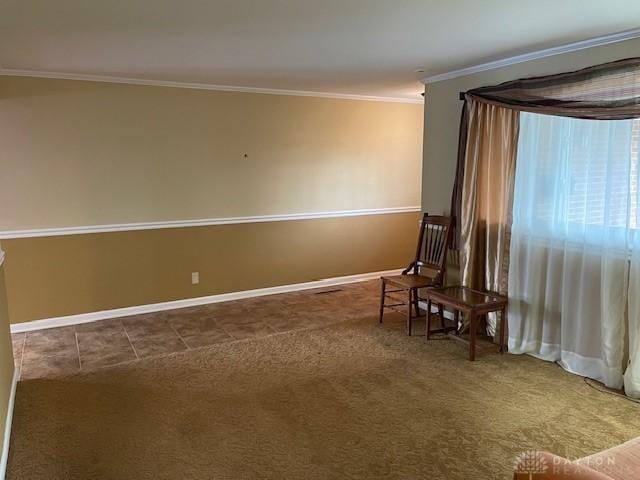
column 129, row 339
column 221, row 327
column 75, row 334
column 266, row 324
column 184, row 342
column 24, row 344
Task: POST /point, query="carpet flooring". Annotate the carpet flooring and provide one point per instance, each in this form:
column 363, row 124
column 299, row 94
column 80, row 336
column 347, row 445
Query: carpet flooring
column 352, row 400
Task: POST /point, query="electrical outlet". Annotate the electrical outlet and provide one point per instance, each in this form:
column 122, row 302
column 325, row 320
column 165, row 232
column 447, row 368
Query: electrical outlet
column 195, row 278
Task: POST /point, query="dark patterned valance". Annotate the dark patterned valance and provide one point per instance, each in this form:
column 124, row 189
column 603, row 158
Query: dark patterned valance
column 610, row 91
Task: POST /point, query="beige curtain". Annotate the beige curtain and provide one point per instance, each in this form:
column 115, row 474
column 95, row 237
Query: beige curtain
column 487, row 197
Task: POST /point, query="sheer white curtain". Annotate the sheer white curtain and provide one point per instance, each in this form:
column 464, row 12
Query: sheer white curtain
column 632, row 374
column 574, row 221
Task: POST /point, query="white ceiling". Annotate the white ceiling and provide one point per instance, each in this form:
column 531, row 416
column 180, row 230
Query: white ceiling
column 363, row 47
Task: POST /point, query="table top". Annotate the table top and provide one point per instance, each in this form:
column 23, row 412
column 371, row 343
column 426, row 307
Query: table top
column 467, row 297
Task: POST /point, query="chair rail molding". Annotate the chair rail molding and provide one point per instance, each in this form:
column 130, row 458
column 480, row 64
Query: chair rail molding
column 50, row 232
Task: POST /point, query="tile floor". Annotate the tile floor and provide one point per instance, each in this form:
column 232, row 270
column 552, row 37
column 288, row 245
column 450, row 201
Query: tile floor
column 64, row 350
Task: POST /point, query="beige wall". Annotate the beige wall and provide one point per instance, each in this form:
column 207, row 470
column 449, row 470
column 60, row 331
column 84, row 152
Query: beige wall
column 442, row 112
column 83, row 153
column 86, row 153
column 6, row 358
column 54, row 276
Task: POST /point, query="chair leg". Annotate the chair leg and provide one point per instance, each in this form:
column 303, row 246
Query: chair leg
column 416, row 306
column 473, row 327
column 409, row 312
column 428, row 321
column 441, row 314
column 382, row 296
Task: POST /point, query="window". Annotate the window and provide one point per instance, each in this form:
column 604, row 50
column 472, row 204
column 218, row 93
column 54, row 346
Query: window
column 577, row 179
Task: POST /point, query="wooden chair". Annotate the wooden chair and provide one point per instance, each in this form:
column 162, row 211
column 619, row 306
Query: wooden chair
column 427, row 269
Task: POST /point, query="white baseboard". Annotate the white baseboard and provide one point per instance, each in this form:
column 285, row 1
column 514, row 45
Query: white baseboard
column 191, row 302
column 7, row 427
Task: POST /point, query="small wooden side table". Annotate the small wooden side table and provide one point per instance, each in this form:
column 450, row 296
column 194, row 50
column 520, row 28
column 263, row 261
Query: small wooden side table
column 471, row 302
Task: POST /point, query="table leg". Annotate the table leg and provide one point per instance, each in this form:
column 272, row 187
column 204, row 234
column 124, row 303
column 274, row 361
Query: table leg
column 456, row 320
column 473, row 327
column 483, row 322
column 503, row 321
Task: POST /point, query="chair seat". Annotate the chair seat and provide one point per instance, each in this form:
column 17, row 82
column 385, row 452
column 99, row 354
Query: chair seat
column 410, row 281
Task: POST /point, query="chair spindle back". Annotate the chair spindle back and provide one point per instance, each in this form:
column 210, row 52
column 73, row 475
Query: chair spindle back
column 433, row 243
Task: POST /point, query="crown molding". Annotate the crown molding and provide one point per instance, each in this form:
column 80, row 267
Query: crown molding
column 200, row 86
column 526, row 57
column 124, row 227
